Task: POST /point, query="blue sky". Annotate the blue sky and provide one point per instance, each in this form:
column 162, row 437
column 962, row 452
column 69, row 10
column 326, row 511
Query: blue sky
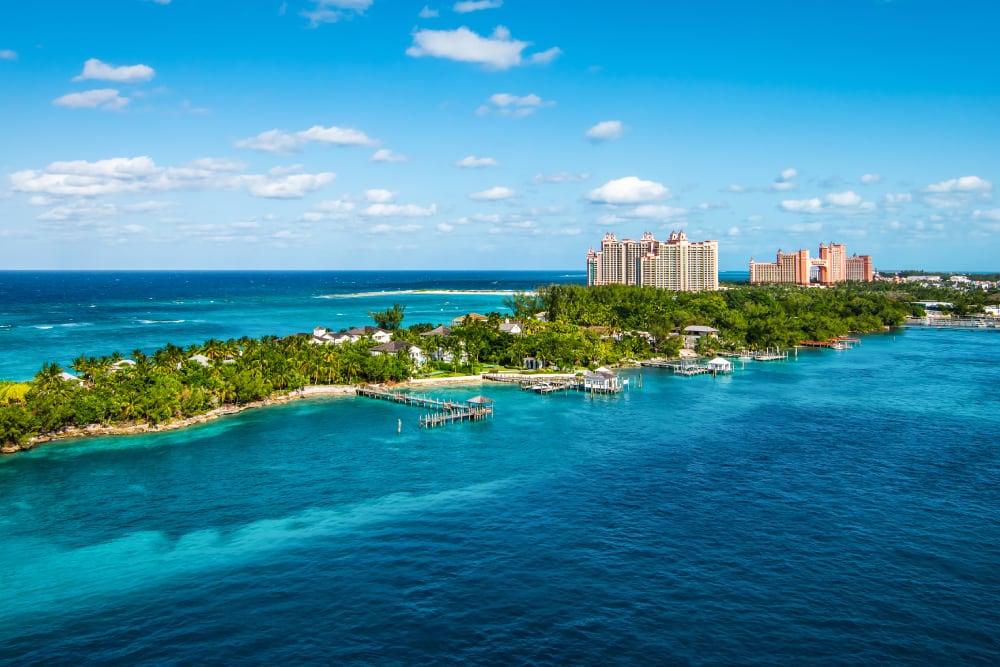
column 349, row 134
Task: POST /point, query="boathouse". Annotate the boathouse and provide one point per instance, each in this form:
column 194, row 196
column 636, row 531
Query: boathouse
column 602, row 380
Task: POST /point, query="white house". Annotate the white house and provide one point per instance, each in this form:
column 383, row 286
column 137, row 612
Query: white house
column 720, row 365
column 602, row 380
column 393, row 347
column 695, row 333
column 512, row 328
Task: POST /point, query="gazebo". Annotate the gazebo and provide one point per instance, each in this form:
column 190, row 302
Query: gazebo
column 720, row 365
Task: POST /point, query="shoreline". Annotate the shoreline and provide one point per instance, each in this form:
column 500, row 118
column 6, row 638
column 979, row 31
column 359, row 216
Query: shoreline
column 309, row 391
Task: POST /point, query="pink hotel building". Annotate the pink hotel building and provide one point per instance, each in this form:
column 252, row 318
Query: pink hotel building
column 833, row 266
column 675, row 264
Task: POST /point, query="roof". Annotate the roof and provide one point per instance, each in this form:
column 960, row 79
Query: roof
column 697, row 328
column 438, row 331
column 509, row 326
column 719, row 361
column 366, row 331
column 480, row 400
column 394, row 346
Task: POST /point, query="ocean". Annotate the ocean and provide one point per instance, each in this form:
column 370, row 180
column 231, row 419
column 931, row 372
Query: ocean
column 837, row 508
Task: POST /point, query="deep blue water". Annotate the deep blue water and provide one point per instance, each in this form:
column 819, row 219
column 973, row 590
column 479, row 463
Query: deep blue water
column 841, row 508
column 57, row 316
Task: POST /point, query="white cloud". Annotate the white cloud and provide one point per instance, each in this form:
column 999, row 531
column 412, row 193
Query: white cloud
column 628, row 190
column 993, row 214
column 733, row 231
column 497, row 52
column 898, row 198
column 336, row 136
column 445, row 228
column 467, row 6
column 398, row 211
column 473, row 162
column 493, row 194
column 337, row 209
column 782, row 186
column 848, row 198
column 814, row 205
column 736, row 188
column 428, row 13
column 331, row 11
column 379, row 196
column 561, row 177
column 783, row 182
column 804, row 227
column 280, row 185
column 100, row 98
column 285, row 143
column 789, row 174
column 546, row 56
column 568, row 231
column 386, row 155
column 95, row 69
column 515, row 106
column 871, row 179
column 8, row 54
column 962, row 184
column 383, row 228
column 943, row 202
column 607, row 130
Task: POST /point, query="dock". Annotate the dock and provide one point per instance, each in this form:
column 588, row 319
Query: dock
column 444, row 412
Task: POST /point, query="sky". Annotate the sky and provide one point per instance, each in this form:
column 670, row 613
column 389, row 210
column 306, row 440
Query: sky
column 495, row 134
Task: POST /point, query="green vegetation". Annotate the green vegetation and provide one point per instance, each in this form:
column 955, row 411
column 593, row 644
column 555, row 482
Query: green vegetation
column 584, row 327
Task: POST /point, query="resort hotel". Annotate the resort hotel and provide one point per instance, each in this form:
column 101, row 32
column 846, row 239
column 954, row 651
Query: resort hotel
column 831, row 267
column 675, row 264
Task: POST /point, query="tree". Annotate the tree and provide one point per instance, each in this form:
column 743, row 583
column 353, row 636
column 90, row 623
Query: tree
column 390, row 319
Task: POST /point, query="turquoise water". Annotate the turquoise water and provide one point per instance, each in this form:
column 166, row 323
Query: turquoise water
column 839, row 508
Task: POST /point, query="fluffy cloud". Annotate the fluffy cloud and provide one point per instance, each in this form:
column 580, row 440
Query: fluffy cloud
column 607, row 130
column 100, row 98
column 476, row 5
column 871, row 179
column 628, row 190
column 493, row 194
column 473, row 162
column 814, row 205
column 428, row 13
column 843, row 198
column 784, row 182
column 379, row 196
column 561, row 177
column 445, row 228
column 95, row 69
column 398, row 211
column 337, row 209
column 962, row 184
column 505, row 104
column 386, row 155
column 278, row 184
column 285, row 143
column 331, row 11
column 7, row 54
column 736, row 188
column 141, row 174
column 499, row 51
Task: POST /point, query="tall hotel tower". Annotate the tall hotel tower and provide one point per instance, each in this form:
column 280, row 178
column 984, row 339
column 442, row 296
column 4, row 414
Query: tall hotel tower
column 675, row 264
column 833, row 266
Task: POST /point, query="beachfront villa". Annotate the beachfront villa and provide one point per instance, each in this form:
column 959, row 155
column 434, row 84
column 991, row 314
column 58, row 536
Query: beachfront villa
column 322, row 336
column 471, row 317
column 693, row 334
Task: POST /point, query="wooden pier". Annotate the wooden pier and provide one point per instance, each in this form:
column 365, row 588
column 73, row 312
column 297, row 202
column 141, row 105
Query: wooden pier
column 445, row 412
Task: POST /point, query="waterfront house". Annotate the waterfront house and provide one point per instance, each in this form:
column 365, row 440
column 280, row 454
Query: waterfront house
column 376, row 334
column 396, row 346
column 694, row 333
